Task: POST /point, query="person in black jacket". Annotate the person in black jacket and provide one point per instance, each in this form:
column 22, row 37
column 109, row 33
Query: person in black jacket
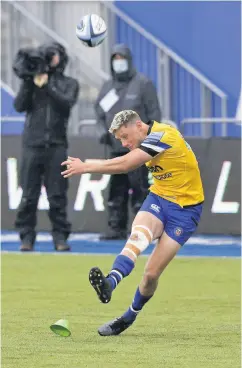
column 127, row 90
column 47, row 100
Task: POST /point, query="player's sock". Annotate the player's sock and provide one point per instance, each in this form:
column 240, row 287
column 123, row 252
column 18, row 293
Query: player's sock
column 138, row 303
column 122, row 267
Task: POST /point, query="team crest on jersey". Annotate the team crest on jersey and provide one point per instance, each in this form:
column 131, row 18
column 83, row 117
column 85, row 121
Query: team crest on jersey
column 178, row 231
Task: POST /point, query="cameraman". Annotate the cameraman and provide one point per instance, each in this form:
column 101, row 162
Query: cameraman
column 47, row 99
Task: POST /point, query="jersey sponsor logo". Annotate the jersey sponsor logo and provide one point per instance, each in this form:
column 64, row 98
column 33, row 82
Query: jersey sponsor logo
column 178, row 231
column 155, row 208
column 164, row 176
column 155, row 169
column 158, row 169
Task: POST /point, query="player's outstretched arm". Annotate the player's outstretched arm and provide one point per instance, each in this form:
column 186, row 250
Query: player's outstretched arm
column 118, row 165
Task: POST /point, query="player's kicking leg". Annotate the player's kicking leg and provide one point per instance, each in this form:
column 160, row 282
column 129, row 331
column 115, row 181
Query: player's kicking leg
column 180, row 225
column 163, row 253
column 146, row 227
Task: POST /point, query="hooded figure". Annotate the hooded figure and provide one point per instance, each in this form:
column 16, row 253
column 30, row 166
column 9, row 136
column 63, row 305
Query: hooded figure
column 47, row 100
column 127, row 90
column 52, row 49
column 133, row 91
column 47, row 106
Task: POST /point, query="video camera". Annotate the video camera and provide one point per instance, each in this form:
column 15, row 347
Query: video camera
column 32, row 61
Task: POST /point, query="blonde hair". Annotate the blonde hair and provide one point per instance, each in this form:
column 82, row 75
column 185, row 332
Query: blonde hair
column 122, row 118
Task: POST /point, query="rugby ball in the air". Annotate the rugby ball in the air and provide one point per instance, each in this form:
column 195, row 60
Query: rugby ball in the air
column 91, row 30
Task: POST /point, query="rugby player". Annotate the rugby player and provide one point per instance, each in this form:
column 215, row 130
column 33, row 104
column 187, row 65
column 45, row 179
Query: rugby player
column 170, row 212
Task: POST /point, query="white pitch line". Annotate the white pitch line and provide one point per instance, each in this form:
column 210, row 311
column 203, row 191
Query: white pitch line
column 12, row 238
column 37, row 253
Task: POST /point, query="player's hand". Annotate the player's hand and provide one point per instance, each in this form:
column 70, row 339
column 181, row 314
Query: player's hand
column 41, row 79
column 74, row 166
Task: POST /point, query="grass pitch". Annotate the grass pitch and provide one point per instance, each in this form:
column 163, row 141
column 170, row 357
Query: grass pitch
column 192, row 322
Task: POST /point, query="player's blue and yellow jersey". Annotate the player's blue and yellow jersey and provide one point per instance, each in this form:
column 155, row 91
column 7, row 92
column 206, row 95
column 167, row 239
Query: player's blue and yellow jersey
column 174, row 166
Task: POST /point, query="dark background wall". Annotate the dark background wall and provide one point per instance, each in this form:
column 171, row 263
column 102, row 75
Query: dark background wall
column 220, row 165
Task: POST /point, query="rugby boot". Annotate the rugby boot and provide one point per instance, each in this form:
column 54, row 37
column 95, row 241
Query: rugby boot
column 62, row 247
column 115, row 327
column 100, row 284
column 26, row 247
